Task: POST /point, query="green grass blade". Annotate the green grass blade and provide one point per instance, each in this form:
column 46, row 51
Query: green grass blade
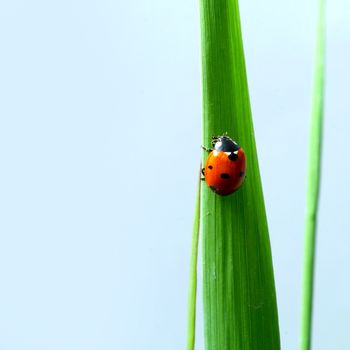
column 313, row 185
column 192, row 294
column 239, row 298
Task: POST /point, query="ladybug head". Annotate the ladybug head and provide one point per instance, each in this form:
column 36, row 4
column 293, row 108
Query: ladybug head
column 224, row 144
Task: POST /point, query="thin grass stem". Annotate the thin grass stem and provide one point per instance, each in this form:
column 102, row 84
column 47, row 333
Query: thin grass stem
column 192, row 295
column 313, row 186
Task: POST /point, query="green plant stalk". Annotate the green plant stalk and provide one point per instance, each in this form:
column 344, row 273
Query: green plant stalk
column 313, row 186
column 239, row 298
column 192, row 295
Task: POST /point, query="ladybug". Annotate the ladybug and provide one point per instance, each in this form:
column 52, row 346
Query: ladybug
column 225, row 167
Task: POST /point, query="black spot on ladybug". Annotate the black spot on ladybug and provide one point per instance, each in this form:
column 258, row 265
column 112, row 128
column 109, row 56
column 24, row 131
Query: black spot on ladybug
column 210, row 167
column 241, row 174
column 233, row 156
column 225, row 176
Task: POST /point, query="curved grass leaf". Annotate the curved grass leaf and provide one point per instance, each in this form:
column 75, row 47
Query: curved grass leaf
column 239, row 297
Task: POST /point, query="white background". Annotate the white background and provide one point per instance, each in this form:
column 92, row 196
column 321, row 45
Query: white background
column 99, row 149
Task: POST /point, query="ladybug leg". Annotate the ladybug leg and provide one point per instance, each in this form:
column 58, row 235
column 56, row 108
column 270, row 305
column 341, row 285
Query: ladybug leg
column 203, row 178
column 206, row 149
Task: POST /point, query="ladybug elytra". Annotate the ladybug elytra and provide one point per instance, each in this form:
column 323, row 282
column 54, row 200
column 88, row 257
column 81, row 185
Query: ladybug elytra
column 225, row 168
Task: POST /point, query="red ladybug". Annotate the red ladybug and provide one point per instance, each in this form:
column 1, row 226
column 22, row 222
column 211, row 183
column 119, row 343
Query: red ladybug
column 225, row 167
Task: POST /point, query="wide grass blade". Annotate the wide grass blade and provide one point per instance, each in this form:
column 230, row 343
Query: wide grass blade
column 313, row 186
column 239, row 296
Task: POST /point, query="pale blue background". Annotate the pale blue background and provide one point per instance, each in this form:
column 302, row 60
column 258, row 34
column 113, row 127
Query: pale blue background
column 99, row 148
